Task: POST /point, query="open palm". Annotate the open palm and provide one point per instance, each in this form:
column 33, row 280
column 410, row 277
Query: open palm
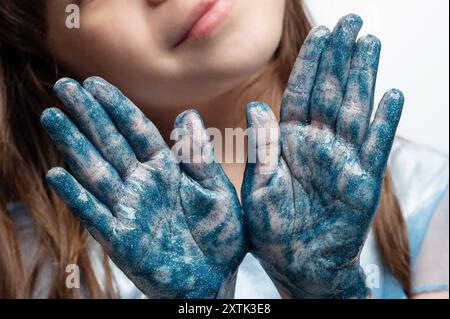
column 308, row 210
column 174, row 229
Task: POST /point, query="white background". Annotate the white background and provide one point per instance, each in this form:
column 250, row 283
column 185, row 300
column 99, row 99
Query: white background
column 415, row 58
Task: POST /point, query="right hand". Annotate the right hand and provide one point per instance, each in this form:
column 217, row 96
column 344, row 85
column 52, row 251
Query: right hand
column 174, row 229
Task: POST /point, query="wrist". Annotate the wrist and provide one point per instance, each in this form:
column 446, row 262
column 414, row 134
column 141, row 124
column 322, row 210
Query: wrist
column 348, row 283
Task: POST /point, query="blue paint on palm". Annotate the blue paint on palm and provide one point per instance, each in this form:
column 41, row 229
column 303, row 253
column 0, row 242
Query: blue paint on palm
column 307, row 220
column 176, row 230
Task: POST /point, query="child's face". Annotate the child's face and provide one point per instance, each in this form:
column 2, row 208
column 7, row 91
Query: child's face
column 135, row 44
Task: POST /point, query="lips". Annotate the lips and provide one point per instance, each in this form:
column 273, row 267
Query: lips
column 203, row 19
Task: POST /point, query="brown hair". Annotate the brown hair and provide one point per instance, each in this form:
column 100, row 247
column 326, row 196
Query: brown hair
column 27, row 72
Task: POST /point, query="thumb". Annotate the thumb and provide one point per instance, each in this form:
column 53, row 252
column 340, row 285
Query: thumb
column 264, row 143
column 197, row 158
column 212, row 212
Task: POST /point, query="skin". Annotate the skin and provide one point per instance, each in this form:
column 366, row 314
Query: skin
column 163, row 80
column 127, row 43
column 432, row 295
column 130, row 44
column 175, row 230
column 308, row 211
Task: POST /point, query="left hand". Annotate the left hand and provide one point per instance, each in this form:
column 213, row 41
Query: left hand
column 309, row 206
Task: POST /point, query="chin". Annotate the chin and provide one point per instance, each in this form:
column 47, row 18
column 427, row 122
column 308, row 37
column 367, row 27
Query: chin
column 204, row 70
column 229, row 62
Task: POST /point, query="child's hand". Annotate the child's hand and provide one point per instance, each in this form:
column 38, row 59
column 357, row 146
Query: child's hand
column 308, row 209
column 174, row 229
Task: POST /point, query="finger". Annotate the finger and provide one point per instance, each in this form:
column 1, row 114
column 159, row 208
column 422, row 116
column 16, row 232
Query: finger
column 92, row 214
column 356, row 111
column 140, row 132
column 96, row 174
column 333, row 71
column 94, row 122
column 264, row 140
column 197, row 158
column 214, row 222
column 378, row 143
column 296, row 101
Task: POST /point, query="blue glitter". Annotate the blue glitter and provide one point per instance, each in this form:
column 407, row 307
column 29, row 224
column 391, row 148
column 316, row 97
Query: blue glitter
column 176, row 230
column 308, row 220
